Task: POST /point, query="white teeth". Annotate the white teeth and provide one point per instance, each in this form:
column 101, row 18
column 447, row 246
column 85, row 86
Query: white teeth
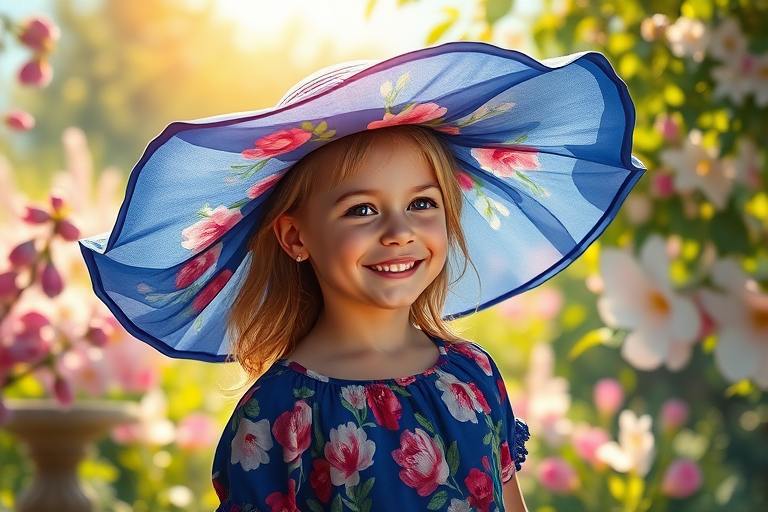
column 400, row 267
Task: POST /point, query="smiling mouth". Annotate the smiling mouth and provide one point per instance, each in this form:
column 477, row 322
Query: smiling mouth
column 394, row 268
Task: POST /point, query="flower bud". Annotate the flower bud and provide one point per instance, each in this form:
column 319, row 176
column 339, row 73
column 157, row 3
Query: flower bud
column 668, row 128
column 586, row 440
column 62, row 391
column 8, row 288
column 682, row 479
column 39, row 33
column 67, row 230
column 32, row 338
column 35, row 215
column 674, row 414
column 51, row 281
column 36, row 73
column 662, row 185
column 18, row 120
column 557, row 476
column 23, row 254
column 608, row 396
column 100, row 332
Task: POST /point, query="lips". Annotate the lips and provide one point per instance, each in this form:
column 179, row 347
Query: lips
column 395, row 266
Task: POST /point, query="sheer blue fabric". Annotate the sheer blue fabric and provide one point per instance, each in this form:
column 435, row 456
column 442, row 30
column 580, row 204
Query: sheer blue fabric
column 446, row 439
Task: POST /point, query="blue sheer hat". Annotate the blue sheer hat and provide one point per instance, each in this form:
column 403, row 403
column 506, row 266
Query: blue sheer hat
column 544, row 150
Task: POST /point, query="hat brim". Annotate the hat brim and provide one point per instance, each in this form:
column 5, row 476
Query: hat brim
column 545, row 151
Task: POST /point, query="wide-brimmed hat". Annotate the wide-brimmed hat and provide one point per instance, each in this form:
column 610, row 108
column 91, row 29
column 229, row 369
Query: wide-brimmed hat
column 544, row 150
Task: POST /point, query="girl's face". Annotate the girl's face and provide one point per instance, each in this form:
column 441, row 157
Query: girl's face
column 380, row 238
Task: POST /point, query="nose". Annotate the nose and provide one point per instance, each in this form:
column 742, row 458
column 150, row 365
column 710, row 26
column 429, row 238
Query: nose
column 397, row 230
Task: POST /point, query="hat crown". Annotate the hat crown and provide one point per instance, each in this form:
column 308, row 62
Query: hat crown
column 321, row 81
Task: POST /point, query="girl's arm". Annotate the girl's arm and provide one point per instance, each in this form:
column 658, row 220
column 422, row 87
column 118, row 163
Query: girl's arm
column 513, row 498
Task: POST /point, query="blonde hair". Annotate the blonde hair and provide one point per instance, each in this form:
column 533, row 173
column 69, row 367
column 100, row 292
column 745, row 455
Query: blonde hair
column 279, row 300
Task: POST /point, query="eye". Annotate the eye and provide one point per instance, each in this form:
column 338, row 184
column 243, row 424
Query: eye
column 360, row 210
column 423, row 203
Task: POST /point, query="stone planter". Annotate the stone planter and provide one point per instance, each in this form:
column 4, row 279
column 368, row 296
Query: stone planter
column 57, row 440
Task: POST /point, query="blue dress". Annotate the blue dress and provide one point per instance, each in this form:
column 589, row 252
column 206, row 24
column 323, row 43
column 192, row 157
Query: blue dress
column 445, row 439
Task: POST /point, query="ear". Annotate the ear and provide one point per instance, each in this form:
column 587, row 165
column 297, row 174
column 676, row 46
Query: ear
column 288, row 235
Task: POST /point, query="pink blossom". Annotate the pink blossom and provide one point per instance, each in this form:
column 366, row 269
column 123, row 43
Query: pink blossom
column 465, row 181
column 405, row 381
column 67, row 230
column 674, row 414
column 481, row 489
column 99, row 332
column 51, row 281
column 556, row 475
column 134, row 365
column 196, row 431
column 354, row 395
column 608, row 396
column 8, row 287
column 62, row 391
column 279, row 502
column 23, row 254
column 586, row 440
column 261, row 186
column 422, row 460
column 210, row 291
column 18, row 120
column 668, row 128
column 478, row 356
column 31, row 339
column 662, row 185
column 251, row 444
column 39, row 33
column 504, row 162
column 320, row 479
column 36, row 73
column 292, row 430
column 193, row 269
column 461, row 398
column 385, row 405
column 85, row 368
column 413, row 114
column 507, row 465
column 34, row 215
column 57, row 201
column 348, row 451
column 682, row 479
column 277, row 143
column 215, row 224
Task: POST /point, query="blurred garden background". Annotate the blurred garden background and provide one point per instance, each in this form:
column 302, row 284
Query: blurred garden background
column 641, row 369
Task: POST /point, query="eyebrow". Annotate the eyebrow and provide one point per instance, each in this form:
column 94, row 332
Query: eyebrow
column 373, row 191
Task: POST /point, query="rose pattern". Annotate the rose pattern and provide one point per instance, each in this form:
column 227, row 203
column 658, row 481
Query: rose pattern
column 505, row 162
column 385, row 405
column 210, row 291
column 422, row 460
column 279, row 502
column 348, row 452
column 292, row 430
column 277, row 143
column 251, row 444
column 412, row 114
column 354, row 395
column 463, row 400
column 481, row 489
column 262, row 186
column 477, row 355
column 195, row 268
column 215, row 223
column 320, row 479
column 507, row 467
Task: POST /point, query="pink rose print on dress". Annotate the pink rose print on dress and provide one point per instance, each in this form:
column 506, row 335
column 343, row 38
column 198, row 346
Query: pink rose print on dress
column 221, row 492
column 292, row 430
column 193, row 269
column 507, row 467
column 463, row 400
column 405, row 381
column 481, row 489
column 277, row 143
column 385, row 405
column 477, row 355
column 349, row 451
column 251, row 444
column 279, row 502
column 210, row 291
column 320, row 479
column 422, row 460
column 213, row 225
column 354, row 395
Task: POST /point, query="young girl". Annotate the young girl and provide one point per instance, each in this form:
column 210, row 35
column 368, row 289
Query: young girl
column 335, row 233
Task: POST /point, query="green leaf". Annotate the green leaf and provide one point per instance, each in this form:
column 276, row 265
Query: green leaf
column 436, row 33
column 496, row 9
column 252, row 408
column 315, row 506
column 319, row 445
column 424, row 422
column 348, row 406
column 487, row 438
column 350, row 505
column 239, row 204
column 307, row 126
column 328, row 134
column 365, row 506
column 728, row 232
column 400, row 390
column 591, row 339
column 365, row 489
column 319, row 129
column 453, row 458
column 236, row 420
column 438, row 500
column 303, row 392
column 336, row 506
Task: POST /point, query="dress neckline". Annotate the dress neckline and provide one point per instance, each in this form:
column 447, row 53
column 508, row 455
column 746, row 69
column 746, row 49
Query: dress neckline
column 400, row 381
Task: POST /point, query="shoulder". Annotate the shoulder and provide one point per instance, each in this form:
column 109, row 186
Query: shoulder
column 473, row 353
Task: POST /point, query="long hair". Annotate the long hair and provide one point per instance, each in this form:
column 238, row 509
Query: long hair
column 280, row 300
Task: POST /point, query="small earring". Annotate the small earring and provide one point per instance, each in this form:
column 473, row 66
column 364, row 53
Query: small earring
column 298, row 258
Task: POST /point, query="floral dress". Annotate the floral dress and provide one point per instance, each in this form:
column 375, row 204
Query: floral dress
column 445, row 439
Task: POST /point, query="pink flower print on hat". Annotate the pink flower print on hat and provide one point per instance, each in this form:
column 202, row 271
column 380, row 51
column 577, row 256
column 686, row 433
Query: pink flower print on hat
column 292, row 431
column 210, row 291
column 505, row 162
column 277, row 143
column 429, row 114
column 422, row 460
column 348, row 451
column 212, row 226
column 195, row 268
